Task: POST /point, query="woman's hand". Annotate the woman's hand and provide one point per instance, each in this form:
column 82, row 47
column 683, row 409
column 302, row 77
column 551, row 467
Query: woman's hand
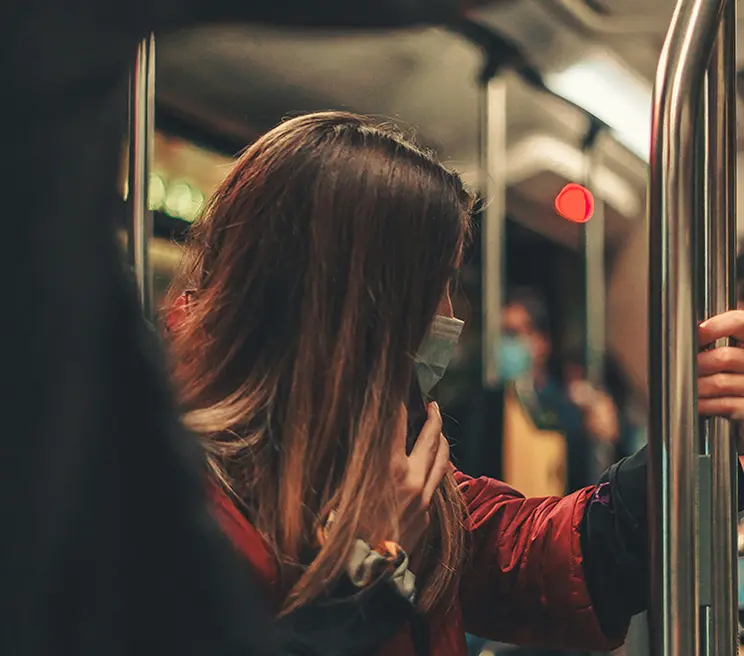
column 721, row 370
column 418, row 475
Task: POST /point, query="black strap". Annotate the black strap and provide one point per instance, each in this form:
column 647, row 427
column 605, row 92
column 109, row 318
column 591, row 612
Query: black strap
column 420, row 635
column 345, row 622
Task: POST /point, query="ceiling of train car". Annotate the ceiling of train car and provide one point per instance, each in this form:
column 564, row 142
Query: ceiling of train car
column 241, row 80
column 257, row 75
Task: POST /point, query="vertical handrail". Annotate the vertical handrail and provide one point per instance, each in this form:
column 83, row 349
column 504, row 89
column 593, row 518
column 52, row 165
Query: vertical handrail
column 594, row 255
column 593, row 242
column 719, row 296
column 141, row 151
column 674, row 447
column 493, row 234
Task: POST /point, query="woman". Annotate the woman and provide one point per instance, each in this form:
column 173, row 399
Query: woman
column 316, row 295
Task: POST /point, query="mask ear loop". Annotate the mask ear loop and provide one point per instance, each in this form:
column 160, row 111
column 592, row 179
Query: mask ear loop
column 448, row 327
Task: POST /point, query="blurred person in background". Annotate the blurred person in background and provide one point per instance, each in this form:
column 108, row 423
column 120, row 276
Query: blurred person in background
column 617, row 412
column 586, row 416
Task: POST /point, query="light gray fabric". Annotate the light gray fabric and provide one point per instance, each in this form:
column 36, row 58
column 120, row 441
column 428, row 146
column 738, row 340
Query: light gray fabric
column 365, row 565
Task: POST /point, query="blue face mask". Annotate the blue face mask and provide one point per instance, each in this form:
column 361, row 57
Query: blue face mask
column 515, row 358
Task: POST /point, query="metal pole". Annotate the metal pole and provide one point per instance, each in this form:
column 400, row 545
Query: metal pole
column 701, row 238
column 720, row 296
column 141, row 150
column 594, row 287
column 673, row 443
column 594, row 258
column 493, row 188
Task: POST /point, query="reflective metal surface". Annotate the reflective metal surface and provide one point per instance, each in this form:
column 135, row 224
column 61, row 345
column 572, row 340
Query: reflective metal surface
column 493, row 234
column 141, row 147
column 673, row 436
column 594, row 262
column 719, row 296
column 603, row 453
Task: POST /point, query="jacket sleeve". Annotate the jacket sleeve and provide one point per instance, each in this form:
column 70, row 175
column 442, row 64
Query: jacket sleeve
column 614, row 539
column 524, row 582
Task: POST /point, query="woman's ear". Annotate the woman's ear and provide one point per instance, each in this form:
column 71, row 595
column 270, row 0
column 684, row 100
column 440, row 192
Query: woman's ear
column 178, row 312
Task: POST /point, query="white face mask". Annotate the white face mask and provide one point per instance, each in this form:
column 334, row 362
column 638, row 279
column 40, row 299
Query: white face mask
column 436, row 350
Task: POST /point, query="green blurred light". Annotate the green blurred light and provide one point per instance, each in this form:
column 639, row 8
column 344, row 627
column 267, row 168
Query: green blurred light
column 156, row 193
column 178, row 200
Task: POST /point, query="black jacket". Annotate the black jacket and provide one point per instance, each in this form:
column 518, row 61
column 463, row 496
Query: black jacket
column 107, row 546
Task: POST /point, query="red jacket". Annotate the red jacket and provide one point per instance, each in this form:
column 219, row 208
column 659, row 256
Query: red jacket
column 523, row 583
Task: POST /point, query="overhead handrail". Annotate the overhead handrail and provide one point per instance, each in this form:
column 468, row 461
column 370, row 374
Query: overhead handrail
column 502, row 53
column 607, row 25
column 687, row 474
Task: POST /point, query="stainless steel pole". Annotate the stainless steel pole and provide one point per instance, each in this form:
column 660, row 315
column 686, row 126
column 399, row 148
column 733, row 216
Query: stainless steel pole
column 719, row 296
column 594, row 290
column 701, row 243
column 594, row 256
column 493, row 233
column 673, row 443
column 141, row 150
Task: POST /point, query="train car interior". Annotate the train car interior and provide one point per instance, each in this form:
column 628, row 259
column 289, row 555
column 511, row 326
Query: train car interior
column 571, row 82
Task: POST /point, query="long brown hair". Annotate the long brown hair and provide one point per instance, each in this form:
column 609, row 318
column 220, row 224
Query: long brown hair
column 315, row 271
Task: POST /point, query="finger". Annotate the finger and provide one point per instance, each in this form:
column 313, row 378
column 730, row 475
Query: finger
column 721, row 386
column 609, row 402
column 438, row 470
column 731, row 407
column 725, row 359
column 602, row 410
column 604, row 404
column 582, row 393
column 728, row 324
column 425, row 449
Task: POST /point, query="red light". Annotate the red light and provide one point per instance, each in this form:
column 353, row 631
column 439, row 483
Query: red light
column 575, row 203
